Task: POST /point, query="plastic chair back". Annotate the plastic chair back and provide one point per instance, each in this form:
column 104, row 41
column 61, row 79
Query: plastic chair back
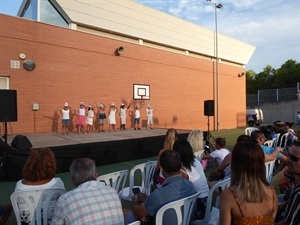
column 115, row 179
column 269, row 170
column 184, row 209
column 214, row 202
column 135, row 223
column 282, row 140
column 269, row 143
column 249, row 130
column 35, row 207
column 146, row 170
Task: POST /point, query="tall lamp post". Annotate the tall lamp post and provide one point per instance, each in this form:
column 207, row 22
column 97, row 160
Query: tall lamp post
column 217, row 100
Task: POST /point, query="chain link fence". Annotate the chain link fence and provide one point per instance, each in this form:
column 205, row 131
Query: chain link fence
column 273, row 95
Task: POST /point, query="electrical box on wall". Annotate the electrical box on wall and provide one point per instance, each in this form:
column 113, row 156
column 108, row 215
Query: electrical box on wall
column 35, row 106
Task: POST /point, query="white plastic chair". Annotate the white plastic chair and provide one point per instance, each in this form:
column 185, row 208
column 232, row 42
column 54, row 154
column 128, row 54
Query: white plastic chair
column 269, row 170
column 213, row 201
column 35, row 207
column 249, row 130
column 184, row 209
column 135, row 223
column 269, row 143
column 275, row 138
column 115, row 179
column 282, row 140
column 146, row 170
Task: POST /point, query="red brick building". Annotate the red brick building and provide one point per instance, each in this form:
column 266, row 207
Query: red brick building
column 78, row 65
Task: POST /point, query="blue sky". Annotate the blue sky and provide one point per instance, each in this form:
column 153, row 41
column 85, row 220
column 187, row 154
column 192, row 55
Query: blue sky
column 272, row 26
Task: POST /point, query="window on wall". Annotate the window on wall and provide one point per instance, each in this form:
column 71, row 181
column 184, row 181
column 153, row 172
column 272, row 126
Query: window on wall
column 43, row 11
column 48, row 14
column 30, row 10
column 4, row 82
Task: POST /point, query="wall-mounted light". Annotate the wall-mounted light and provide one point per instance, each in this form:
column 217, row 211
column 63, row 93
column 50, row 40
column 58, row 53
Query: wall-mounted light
column 22, row 56
column 119, row 51
column 241, row 74
column 29, row 65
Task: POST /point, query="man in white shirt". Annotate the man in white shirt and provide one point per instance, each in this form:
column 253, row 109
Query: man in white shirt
column 219, row 153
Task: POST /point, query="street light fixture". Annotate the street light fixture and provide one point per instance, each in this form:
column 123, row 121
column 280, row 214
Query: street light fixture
column 217, row 99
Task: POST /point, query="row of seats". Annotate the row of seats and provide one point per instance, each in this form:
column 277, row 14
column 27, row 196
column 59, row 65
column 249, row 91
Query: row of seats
column 279, row 140
column 146, row 170
column 38, row 201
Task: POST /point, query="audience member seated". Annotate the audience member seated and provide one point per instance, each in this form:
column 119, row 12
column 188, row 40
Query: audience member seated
column 292, row 134
column 219, row 153
column 258, row 137
column 250, row 199
column 91, row 202
column 171, row 137
column 278, row 127
column 223, row 170
column 195, row 174
column 5, row 211
column 267, row 132
column 281, row 129
column 292, row 210
column 174, row 188
column 39, row 173
column 195, row 138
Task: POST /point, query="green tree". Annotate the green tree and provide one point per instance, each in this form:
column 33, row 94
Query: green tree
column 286, row 76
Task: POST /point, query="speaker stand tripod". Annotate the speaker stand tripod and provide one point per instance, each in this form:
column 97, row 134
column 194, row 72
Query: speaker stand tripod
column 208, row 137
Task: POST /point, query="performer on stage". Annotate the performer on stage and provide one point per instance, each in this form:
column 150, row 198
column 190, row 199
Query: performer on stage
column 123, row 112
column 81, row 118
column 102, row 116
column 137, row 117
column 112, row 117
column 90, row 118
column 65, row 119
column 149, row 111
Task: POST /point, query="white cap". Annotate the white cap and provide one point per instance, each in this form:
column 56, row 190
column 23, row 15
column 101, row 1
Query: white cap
column 66, row 104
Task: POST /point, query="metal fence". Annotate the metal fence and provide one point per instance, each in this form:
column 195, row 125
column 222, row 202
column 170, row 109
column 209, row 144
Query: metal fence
column 273, row 95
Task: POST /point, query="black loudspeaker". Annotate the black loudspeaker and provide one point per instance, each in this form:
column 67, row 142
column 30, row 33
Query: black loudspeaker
column 209, row 107
column 21, row 142
column 8, row 102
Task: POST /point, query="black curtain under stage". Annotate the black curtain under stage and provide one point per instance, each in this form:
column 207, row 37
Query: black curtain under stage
column 104, row 153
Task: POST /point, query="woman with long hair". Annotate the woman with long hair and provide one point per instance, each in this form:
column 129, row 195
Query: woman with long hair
column 194, row 173
column 171, row 137
column 195, row 138
column 250, row 199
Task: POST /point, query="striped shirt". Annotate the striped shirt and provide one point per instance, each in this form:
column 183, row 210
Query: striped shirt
column 90, row 203
column 292, row 214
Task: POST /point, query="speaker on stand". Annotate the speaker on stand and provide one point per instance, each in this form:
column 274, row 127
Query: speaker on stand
column 8, row 113
column 209, row 110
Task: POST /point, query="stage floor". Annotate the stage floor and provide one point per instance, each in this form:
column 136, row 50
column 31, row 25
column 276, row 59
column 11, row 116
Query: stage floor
column 52, row 139
column 104, row 147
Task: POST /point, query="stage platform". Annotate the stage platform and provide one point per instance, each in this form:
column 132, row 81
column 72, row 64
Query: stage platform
column 104, row 147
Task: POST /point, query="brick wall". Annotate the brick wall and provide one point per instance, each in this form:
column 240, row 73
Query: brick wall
column 73, row 66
